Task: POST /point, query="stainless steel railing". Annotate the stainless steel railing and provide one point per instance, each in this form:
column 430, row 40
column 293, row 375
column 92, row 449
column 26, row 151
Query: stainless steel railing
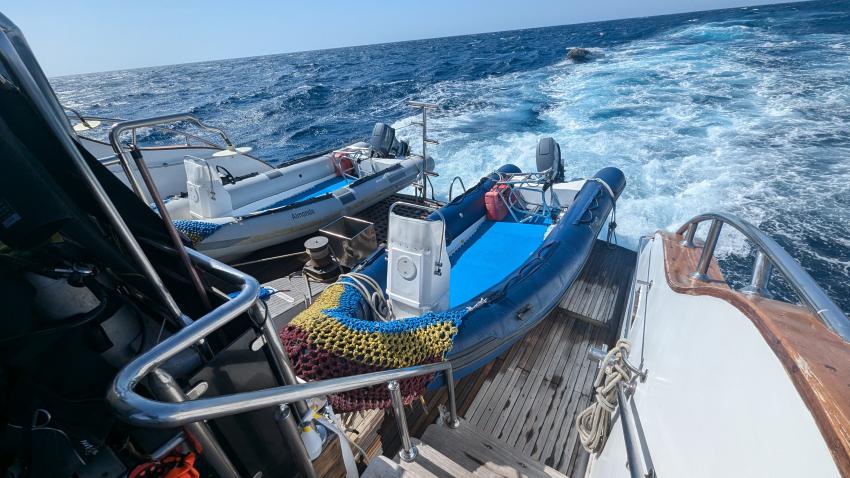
column 769, row 256
column 452, row 185
column 628, row 311
column 638, row 458
column 423, row 178
column 155, row 122
column 139, row 410
column 189, row 138
column 637, row 452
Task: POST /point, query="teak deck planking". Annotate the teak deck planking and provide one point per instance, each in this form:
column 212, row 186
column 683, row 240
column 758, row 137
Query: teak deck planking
column 595, row 296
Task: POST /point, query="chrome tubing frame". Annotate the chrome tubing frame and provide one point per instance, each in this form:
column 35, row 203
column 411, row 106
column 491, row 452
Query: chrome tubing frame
column 451, row 186
column 425, row 140
column 138, row 410
column 533, row 182
column 141, row 411
column 408, row 451
column 189, row 137
column 639, row 462
column 158, row 121
column 626, row 325
column 772, row 255
column 639, row 459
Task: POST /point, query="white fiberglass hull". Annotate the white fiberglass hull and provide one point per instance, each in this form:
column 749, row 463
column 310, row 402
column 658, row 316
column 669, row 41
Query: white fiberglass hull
column 716, row 401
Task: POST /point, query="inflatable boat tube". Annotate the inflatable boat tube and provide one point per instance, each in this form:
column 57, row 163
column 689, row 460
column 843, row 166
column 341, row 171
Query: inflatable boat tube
column 505, row 278
column 285, row 203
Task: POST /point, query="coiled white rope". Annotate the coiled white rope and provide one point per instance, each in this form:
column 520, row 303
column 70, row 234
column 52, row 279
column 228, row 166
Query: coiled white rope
column 592, row 423
column 371, row 292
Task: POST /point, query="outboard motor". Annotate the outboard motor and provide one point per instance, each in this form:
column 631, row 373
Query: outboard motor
column 549, row 159
column 383, row 137
column 403, row 149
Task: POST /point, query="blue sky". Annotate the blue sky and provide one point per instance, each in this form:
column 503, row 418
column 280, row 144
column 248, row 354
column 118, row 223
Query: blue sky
column 96, row 35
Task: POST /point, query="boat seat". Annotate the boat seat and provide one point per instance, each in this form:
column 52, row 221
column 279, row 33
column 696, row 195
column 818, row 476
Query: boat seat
column 419, row 269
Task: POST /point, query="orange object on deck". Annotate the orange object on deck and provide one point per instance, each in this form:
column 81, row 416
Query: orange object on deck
column 172, row 466
column 342, row 163
column 495, row 200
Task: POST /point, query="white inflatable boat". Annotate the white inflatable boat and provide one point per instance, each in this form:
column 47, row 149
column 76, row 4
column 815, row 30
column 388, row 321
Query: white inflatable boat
column 228, row 217
column 231, row 204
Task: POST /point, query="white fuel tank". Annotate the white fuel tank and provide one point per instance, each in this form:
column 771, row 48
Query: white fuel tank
column 419, row 270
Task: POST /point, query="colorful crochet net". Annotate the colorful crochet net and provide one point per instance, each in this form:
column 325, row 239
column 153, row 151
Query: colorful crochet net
column 196, row 231
column 328, row 340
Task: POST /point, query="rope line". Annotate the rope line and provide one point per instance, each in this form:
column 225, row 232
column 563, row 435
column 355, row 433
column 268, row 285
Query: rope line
column 370, row 290
column 593, row 422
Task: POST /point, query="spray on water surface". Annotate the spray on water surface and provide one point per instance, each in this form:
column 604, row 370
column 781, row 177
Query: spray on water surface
column 743, row 110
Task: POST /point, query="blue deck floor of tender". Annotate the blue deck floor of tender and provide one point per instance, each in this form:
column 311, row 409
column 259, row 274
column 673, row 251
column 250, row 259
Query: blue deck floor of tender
column 496, row 250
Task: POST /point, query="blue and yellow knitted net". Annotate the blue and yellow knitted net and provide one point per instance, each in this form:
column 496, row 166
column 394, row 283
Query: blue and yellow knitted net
column 330, row 340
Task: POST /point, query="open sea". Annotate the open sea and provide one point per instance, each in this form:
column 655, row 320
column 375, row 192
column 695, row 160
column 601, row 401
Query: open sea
column 742, row 110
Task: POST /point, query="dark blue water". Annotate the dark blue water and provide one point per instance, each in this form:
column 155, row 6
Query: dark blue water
column 741, row 110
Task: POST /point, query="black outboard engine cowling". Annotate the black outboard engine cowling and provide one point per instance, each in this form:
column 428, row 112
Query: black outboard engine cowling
column 403, row 149
column 549, row 159
column 381, row 142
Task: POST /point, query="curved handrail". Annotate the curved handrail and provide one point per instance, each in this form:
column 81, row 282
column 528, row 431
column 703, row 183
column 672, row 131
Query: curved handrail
column 157, row 122
column 808, row 291
column 117, row 129
column 122, row 396
column 142, row 411
column 187, row 135
column 451, row 186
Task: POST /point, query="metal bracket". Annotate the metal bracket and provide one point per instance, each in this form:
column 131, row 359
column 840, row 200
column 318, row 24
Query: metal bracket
column 597, row 354
column 258, row 343
column 197, row 391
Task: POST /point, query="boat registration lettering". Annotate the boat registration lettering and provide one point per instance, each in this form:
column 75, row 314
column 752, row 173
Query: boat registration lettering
column 303, row 214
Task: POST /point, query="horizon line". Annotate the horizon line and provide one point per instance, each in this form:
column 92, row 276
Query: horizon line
column 359, row 45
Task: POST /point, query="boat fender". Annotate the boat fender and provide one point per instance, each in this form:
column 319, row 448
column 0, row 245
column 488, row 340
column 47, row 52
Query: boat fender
column 496, row 202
